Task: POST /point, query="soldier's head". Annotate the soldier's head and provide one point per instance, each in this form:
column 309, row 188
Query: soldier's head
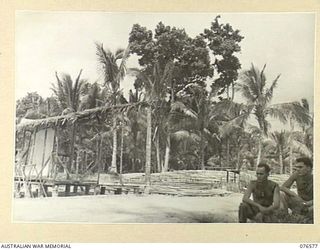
column 303, row 166
column 262, row 172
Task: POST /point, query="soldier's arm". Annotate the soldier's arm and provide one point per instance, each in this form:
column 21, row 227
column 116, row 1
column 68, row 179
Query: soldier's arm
column 287, row 185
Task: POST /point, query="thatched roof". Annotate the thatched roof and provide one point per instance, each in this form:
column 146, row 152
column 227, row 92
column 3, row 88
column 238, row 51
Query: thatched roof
column 57, row 121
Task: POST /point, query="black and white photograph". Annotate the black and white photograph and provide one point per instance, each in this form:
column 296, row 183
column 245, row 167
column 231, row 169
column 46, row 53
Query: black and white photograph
column 158, row 117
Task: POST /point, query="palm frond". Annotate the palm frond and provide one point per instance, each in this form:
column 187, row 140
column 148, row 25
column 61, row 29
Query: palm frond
column 277, row 112
column 108, row 62
column 122, row 67
column 76, row 90
column 179, row 106
column 118, row 54
column 208, row 133
column 262, row 79
column 301, row 148
column 246, row 92
column 236, row 123
column 186, row 135
column 269, row 92
column 294, row 110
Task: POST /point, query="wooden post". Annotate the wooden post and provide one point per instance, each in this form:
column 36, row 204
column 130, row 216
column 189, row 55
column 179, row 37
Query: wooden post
column 121, row 155
column 118, row 190
column 102, row 190
column 43, row 190
column 67, row 190
column 227, row 176
column 79, row 162
column 98, row 156
column 85, row 159
column 75, row 189
column 72, row 141
column 87, row 189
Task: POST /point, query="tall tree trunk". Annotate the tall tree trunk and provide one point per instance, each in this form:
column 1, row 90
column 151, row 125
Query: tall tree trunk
column 98, row 156
column 259, row 152
column 232, row 89
column 238, row 158
column 281, row 161
column 220, row 155
column 133, row 167
column 72, row 141
column 113, row 168
column 290, row 160
column 202, row 148
column 228, row 152
column 167, row 155
column 168, row 140
column 148, row 147
column 290, row 145
column 158, row 153
column 228, row 96
column 121, row 155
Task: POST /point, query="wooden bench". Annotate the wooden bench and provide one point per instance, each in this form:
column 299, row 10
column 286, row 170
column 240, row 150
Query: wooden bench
column 119, row 189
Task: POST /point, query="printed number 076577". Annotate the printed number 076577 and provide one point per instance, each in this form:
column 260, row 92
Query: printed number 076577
column 308, row 246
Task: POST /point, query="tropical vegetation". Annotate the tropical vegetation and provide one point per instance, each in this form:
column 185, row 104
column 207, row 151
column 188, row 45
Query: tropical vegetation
column 181, row 113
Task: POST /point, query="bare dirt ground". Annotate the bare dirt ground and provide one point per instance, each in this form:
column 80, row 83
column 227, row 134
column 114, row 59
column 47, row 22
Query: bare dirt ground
column 128, row 209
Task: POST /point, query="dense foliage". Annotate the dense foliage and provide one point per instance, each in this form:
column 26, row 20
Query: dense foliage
column 188, row 119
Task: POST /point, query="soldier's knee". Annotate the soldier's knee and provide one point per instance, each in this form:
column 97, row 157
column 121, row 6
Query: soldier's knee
column 243, row 205
column 243, row 208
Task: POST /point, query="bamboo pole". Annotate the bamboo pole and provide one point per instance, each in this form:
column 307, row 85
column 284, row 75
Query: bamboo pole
column 71, row 153
column 121, row 155
column 54, row 149
column 97, row 163
column 33, row 144
column 44, row 151
column 148, row 147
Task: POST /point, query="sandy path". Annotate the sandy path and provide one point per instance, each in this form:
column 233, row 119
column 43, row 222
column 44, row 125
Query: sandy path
column 128, row 209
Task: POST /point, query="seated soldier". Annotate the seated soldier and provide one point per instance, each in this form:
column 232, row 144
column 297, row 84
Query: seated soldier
column 266, row 198
column 301, row 203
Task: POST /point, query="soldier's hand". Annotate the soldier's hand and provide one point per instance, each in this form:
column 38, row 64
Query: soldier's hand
column 308, row 203
column 262, row 209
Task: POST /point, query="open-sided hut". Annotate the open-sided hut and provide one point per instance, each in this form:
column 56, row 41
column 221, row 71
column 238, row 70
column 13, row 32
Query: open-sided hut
column 41, row 158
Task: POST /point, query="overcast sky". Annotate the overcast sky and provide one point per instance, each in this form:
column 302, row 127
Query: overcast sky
column 65, row 42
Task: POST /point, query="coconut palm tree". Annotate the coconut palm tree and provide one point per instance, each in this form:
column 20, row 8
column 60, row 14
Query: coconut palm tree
column 281, row 141
column 200, row 120
column 155, row 84
column 114, row 70
column 136, row 125
column 258, row 96
column 68, row 94
column 307, row 129
column 288, row 143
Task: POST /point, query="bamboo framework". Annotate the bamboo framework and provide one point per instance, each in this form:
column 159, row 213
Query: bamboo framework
column 40, row 160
